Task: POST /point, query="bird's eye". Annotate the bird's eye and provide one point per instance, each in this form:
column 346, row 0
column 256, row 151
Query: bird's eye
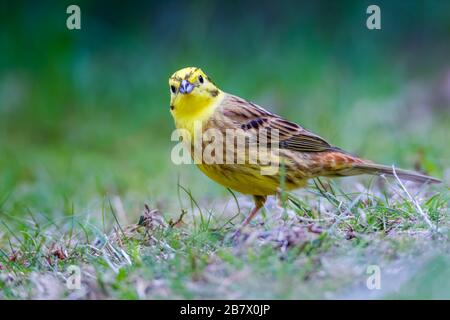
column 200, row 79
column 173, row 89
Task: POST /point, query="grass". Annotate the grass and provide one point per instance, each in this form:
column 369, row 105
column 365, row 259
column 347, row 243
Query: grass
column 318, row 246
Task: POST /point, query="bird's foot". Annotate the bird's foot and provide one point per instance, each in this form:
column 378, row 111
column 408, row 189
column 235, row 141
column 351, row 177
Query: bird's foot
column 236, row 236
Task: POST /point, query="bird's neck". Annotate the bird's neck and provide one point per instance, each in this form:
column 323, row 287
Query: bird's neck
column 196, row 110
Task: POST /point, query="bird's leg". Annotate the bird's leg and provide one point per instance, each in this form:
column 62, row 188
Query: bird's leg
column 250, row 217
column 259, row 203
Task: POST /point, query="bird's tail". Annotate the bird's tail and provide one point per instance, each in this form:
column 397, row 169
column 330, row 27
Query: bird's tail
column 378, row 169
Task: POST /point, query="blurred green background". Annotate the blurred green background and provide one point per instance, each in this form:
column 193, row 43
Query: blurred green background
column 84, row 113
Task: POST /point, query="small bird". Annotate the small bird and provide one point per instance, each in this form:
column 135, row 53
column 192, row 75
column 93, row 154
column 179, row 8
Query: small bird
column 301, row 154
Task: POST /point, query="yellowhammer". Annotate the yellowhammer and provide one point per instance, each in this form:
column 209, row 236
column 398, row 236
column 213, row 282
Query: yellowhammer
column 300, row 154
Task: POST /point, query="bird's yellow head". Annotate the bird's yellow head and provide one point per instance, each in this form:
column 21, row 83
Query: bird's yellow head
column 193, row 96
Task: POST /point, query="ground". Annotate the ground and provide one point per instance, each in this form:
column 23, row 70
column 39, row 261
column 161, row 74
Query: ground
column 320, row 243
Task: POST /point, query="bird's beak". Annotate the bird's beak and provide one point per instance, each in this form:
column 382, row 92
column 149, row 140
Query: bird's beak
column 186, row 87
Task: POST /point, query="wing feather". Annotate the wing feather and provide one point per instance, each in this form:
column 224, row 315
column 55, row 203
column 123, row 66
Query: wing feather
column 251, row 118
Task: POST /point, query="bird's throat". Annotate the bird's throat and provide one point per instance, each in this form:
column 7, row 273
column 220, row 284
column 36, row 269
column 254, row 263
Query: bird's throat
column 190, row 109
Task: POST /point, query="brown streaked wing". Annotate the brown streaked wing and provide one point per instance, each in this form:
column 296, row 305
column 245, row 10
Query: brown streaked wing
column 251, row 117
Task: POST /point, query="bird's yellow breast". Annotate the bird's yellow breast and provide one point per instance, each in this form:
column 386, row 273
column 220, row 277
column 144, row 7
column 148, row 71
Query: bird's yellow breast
column 242, row 178
column 191, row 109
